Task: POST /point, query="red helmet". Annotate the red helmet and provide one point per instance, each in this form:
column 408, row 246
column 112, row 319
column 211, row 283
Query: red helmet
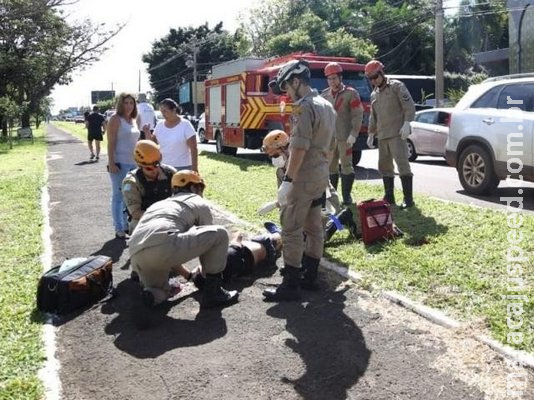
column 332, row 68
column 373, row 66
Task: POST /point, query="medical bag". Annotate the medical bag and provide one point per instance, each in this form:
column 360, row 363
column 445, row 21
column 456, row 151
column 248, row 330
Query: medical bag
column 376, row 220
column 68, row 287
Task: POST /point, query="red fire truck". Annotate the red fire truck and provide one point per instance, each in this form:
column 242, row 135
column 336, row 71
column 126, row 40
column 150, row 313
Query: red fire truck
column 240, row 109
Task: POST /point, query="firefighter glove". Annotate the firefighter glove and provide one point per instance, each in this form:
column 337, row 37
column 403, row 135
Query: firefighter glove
column 267, row 208
column 350, row 140
column 370, row 140
column 283, row 193
column 405, row 131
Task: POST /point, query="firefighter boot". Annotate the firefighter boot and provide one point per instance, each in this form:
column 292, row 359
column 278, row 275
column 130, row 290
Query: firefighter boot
column 215, row 295
column 334, row 178
column 389, row 193
column 347, row 219
column 309, row 274
column 407, row 190
column 346, row 187
column 289, row 289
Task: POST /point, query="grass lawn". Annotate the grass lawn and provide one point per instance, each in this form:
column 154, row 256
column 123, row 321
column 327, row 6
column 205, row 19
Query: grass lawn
column 21, row 353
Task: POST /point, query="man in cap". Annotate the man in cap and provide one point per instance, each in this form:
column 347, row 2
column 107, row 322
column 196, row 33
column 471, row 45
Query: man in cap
column 174, row 231
column 148, row 183
column 349, row 109
column 300, row 194
column 392, row 109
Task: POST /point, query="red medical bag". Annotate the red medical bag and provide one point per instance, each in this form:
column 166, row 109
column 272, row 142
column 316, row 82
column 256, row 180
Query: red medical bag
column 376, row 220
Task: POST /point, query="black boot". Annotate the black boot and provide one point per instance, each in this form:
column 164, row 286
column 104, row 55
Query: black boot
column 389, row 193
column 334, row 178
column 215, row 295
column 332, row 226
column 347, row 219
column 310, row 266
column 346, row 187
column 407, row 190
column 289, row 289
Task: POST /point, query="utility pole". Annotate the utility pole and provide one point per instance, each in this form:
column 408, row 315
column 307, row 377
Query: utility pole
column 439, row 52
column 195, row 100
column 139, row 89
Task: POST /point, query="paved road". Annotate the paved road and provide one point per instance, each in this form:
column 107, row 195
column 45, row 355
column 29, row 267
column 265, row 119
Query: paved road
column 432, row 177
column 338, row 343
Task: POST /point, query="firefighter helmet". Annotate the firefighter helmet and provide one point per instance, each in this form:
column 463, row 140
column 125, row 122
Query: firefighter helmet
column 373, row 67
column 286, row 72
column 274, row 140
column 184, row 177
column 146, row 153
column 332, row 68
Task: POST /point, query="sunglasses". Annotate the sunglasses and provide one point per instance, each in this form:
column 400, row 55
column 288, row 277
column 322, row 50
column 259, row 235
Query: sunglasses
column 373, row 77
column 150, row 168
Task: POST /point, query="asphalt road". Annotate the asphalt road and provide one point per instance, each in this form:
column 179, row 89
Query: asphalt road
column 337, row 343
column 432, row 176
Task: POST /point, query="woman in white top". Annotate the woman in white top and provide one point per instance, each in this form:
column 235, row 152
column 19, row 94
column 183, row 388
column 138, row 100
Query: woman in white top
column 176, row 137
column 122, row 133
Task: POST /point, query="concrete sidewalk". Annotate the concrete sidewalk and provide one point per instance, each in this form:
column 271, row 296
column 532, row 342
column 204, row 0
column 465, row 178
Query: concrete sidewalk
column 339, row 343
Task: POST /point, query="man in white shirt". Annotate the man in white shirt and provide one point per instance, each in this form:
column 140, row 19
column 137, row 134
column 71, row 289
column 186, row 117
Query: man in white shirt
column 145, row 114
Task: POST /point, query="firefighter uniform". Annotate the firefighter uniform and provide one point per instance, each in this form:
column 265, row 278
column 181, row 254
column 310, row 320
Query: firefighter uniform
column 391, row 106
column 172, row 232
column 313, row 123
column 349, row 111
column 140, row 193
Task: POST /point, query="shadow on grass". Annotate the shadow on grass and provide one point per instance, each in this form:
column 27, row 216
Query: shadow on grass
column 243, row 161
column 418, row 228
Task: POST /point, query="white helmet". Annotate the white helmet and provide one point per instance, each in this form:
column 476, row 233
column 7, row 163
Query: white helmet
column 286, row 72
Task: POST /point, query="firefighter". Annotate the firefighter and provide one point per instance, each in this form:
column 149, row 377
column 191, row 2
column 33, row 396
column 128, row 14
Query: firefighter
column 392, row 109
column 174, row 231
column 148, row 183
column 300, row 194
column 275, row 145
column 349, row 109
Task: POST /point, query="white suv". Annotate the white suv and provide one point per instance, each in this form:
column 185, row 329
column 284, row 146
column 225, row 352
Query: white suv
column 490, row 134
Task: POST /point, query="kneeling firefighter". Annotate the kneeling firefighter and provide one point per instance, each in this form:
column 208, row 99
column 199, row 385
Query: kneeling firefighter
column 148, row 183
column 174, row 231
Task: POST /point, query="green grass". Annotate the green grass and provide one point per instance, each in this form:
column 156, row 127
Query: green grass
column 21, row 353
column 452, row 256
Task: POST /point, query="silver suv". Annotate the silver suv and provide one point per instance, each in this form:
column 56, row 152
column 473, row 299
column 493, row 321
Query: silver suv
column 490, row 134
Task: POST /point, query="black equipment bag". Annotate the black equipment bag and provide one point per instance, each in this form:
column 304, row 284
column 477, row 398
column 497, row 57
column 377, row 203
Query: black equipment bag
column 79, row 286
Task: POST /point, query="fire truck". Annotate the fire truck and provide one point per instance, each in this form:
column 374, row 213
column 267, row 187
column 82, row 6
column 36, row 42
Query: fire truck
column 240, row 109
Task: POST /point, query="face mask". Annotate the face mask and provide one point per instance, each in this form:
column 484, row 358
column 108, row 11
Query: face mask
column 279, row 162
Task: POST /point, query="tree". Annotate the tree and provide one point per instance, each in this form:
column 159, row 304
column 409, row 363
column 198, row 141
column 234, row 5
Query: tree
column 477, row 26
column 168, row 59
column 39, row 49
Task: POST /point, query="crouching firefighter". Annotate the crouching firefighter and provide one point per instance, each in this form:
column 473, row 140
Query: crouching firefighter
column 147, row 184
column 174, row 231
column 300, row 194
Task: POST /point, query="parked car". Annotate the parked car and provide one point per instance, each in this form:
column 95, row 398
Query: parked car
column 490, row 134
column 79, row 119
column 430, row 129
column 201, row 129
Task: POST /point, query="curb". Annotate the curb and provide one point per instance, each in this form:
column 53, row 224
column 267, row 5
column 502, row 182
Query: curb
column 437, row 317
column 434, row 316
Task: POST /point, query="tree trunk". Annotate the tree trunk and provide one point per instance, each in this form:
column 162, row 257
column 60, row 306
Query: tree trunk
column 25, row 119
